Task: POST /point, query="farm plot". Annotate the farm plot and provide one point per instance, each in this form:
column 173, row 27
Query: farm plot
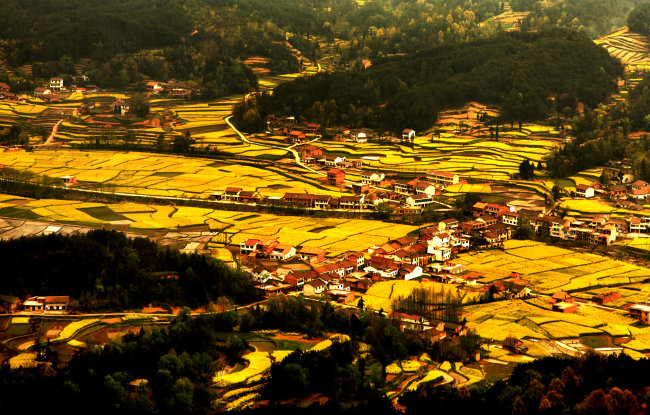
column 631, row 48
column 550, row 269
column 163, row 175
column 336, row 236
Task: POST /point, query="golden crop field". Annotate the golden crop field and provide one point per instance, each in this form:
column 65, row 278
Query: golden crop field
column 163, row 175
column 381, row 294
column 631, row 48
column 336, row 236
column 550, row 269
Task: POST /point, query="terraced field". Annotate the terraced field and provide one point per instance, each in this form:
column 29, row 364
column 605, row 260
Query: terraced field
column 336, row 236
column 471, row 153
column 550, row 269
column 166, row 175
column 631, row 48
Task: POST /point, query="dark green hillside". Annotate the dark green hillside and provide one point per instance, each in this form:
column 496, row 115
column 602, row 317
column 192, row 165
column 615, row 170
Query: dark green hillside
column 517, row 71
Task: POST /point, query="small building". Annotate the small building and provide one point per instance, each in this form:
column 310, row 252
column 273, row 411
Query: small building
column 562, row 297
column 584, row 191
column 231, row 194
column 48, row 305
column 248, row 246
column 563, row 307
column 312, row 254
column 606, row 297
column 56, row 83
column 282, row 252
column 408, row 134
column 514, row 345
column 341, row 296
column 335, row 176
column 314, row 287
column 641, row 312
column 69, row 180
column 296, row 136
column 373, row 178
column 442, row 178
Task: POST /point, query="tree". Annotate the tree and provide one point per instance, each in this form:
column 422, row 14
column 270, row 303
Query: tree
column 524, row 228
column 139, row 104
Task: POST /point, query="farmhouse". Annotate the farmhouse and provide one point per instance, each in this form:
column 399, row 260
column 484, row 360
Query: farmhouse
column 248, row 246
column 408, row 134
column 69, row 180
column 351, row 202
column 56, row 83
column 296, row 136
column 419, row 200
column 372, row 177
column 300, row 199
column 606, row 297
column 332, row 161
column 48, row 305
column 312, row 254
column 341, row 296
column 314, row 287
column 282, row 252
column 563, row 307
column 584, row 191
column 641, row 312
column 405, row 186
column 442, row 178
column 231, row 193
column 335, row 176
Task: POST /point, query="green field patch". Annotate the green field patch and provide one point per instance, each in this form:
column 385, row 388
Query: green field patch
column 247, row 217
column 102, row 213
column 18, row 213
column 167, row 173
column 597, row 340
column 321, row 229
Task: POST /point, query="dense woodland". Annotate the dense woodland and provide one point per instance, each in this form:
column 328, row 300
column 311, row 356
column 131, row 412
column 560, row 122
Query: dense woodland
column 639, row 19
column 106, row 270
column 591, row 385
column 518, row 71
column 594, row 17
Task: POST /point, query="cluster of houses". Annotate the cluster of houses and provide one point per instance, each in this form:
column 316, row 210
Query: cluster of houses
column 6, row 94
column 173, row 87
column 637, row 191
column 47, row 305
column 296, row 132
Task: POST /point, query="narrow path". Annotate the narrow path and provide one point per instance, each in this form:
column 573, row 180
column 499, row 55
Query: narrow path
column 296, row 156
column 50, row 138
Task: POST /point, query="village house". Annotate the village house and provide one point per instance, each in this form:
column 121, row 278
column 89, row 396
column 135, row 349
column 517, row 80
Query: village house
column 332, row 161
column 41, row 92
column 248, row 246
column 563, row 307
column 48, row 305
column 119, row 106
column 314, row 287
column 312, row 128
column 231, row 194
column 408, row 134
column 425, row 188
column 419, row 200
column 640, row 312
column 154, row 87
column 404, row 186
column 335, row 176
column 351, row 202
column 510, row 219
column 584, row 191
column 300, row 199
column 282, row 252
column 56, row 83
column 639, row 184
column 69, row 180
column 312, row 254
column 637, row 226
column 606, row 297
column 442, row 178
column 296, row 136
column 373, row 178
column 561, row 296
column 618, row 191
column 341, row 296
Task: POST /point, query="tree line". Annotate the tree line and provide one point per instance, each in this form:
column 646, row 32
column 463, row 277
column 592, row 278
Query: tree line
column 516, row 71
column 104, row 270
